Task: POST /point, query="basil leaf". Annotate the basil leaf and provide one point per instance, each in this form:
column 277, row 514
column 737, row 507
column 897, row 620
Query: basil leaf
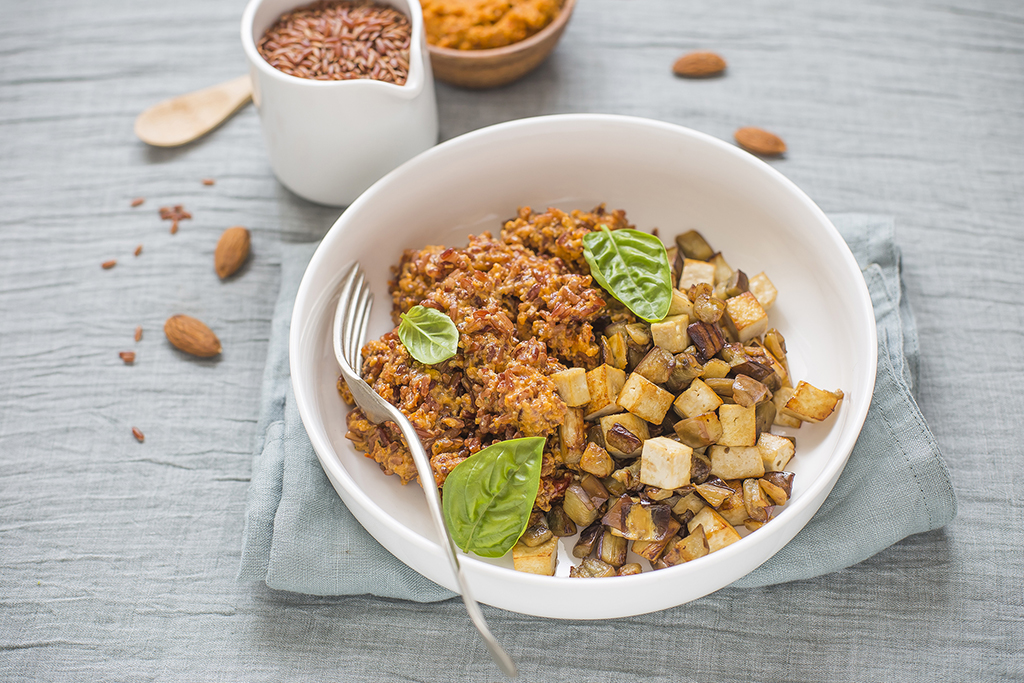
column 488, row 497
column 428, row 335
column 633, row 267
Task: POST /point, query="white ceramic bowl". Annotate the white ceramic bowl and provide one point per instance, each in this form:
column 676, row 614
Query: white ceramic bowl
column 662, row 175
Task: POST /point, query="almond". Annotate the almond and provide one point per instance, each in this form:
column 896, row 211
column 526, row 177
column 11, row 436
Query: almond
column 137, row 433
column 699, row 65
column 231, row 252
column 107, row 265
column 191, row 336
column 128, row 357
column 761, row 142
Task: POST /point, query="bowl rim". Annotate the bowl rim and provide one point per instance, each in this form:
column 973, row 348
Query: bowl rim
column 767, row 536
column 557, row 24
column 417, row 56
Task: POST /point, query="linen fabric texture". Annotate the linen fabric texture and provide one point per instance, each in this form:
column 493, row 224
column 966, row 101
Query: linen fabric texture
column 300, row 537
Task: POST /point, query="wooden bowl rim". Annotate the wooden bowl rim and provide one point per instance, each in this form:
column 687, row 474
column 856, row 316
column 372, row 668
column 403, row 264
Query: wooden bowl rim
column 526, row 43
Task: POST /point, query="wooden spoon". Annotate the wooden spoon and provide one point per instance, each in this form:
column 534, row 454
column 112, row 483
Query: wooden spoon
column 185, row 118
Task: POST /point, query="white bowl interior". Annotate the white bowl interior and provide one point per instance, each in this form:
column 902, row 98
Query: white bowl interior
column 664, row 176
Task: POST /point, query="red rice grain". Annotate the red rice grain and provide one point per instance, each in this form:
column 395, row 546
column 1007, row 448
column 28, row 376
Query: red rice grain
column 334, row 40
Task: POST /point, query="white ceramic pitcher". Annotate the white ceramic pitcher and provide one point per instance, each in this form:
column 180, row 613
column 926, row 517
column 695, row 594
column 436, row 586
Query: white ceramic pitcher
column 330, row 140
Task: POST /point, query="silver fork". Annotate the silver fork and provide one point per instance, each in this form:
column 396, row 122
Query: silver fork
column 349, row 327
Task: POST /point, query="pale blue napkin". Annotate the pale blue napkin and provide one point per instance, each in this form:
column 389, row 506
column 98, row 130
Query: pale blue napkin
column 300, row 537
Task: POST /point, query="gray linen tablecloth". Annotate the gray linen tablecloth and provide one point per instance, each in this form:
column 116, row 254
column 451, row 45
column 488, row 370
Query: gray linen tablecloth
column 118, row 560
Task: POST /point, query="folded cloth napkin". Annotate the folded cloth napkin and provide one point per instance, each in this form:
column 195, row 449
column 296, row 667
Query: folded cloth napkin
column 300, row 537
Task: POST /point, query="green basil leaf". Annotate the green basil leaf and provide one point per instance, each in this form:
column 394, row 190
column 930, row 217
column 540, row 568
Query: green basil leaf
column 428, row 335
column 633, row 267
column 488, row 497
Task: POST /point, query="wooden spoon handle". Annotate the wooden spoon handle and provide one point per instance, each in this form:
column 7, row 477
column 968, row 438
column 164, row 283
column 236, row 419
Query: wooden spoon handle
column 185, row 118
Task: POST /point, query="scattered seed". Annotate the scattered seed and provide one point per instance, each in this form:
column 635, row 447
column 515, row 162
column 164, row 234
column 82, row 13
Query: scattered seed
column 760, row 142
column 138, row 333
column 139, row 436
column 178, row 213
column 699, row 65
column 128, row 357
column 208, row 181
column 107, row 265
column 138, row 250
column 137, row 202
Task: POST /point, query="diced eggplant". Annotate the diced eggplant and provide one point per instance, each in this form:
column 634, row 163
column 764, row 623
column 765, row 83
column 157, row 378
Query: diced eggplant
column 733, row 509
column 638, row 333
column 588, row 538
column 716, row 367
column 595, row 489
column 572, row 436
column 699, row 431
column 695, row 545
column 755, row 370
column 733, row 353
column 613, row 350
column 597, row 461
column 676, row 262
column 714, row 491
column 691, row 503
column 612, row 549
column 629, row 476
column 560, row 523
column 592, row 568
column 693, row 245
column 630, row 569
column 578, row 505
column 686, row 369
column 595, row 435
column 651, row 550
column 536, row 533
column 685, row 517
column 778, row 486
column 723, row 271
column 755, row 500
column 723, row 386
column 654, row 494
column 748, row 392
column 623, row 440
column 708, row 339
column 616, row 515
column 752, row 524
column 656, row 366
column 614, row 486
column 737, row 283
column 700, row 468
column 708, row 309
column 719, row 532
column 764, row 416
column 776, row 344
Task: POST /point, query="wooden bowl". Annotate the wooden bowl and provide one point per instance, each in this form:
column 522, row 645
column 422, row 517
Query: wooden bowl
column 491, row 68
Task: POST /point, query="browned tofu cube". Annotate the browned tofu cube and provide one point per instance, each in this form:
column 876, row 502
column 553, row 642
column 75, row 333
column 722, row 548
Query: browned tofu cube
column 779, row 399
column 744, row 317
column 628, row 439
column 763, row 290
column 604, row 384
column 597, row 461
column 739, row 425
column 665, row 463
column 572, row 386
column 614, row 351
column 736, row 462
column 539, row 560
column 695, row 272
column 670, row 334
column 644, row 398
column 686, row 549
column 719, row 533
column 776, row 451
column 697, row 400
column 811, row 404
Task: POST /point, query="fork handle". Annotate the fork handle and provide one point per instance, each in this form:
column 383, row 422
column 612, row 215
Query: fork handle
column 426, row 475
